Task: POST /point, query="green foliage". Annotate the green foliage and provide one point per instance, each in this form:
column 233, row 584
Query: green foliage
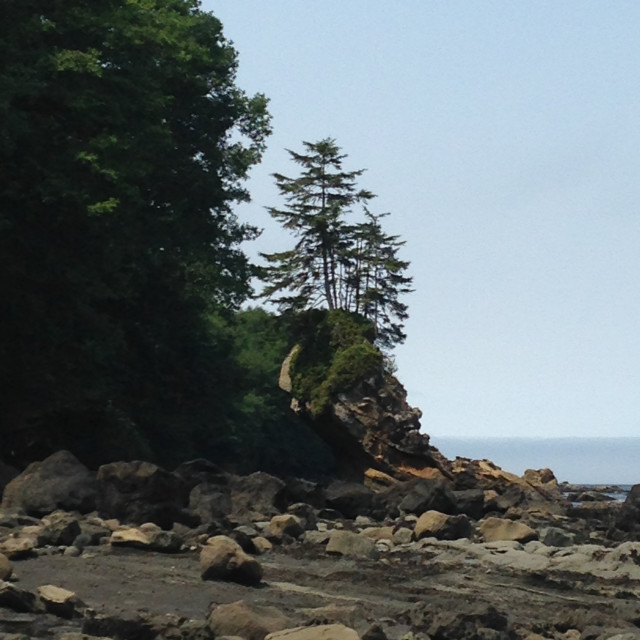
column 335, row 264
column 336, row 353
column 124, row 143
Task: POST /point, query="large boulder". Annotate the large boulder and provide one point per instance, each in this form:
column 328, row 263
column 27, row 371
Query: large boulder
column 257, row 496
column 353, row 499
column 194, row 472
column 210, row 502
column 425, row 495
column 246, row 620
column 223, row 559
column 495, row 529
column 138, row 492
column 60, row 481
column 442, row 526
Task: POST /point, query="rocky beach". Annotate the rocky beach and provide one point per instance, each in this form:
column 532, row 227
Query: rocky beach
column 401, row 544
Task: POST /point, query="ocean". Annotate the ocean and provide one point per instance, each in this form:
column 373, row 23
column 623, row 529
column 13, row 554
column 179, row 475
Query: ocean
column 588, row 461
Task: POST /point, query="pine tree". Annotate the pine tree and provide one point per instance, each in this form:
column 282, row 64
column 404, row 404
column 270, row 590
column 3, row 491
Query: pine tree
column 336, row 264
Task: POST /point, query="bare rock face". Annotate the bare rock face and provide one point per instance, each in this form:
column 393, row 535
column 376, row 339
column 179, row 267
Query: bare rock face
column 372, row 426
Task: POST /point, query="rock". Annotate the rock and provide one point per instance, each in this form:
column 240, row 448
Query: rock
column 403, row 535
column 150, row 538
column 247, row 620
column 556, row 537
column 124, row 626
column 6, row 568
column 17, row 548
column 468, row 621
column 352, row 499
column 199, row 471
column 426, row 495
column 493, row 529
column 320, row 632
column 61, row 528
column 60, row 602
column 257, row 496
column 331, row 614
column 58, row 482
column 442, row 526
column 282, row 526
column 346, row 543
column 138, row 492
column 374, row 632
column 370, row 426
column 261, row 545
column 210, row 502
column 11, row 597
column 316, row 537
column 378, row 533
column 470, row 502
column 306, row 513
column 223, row 559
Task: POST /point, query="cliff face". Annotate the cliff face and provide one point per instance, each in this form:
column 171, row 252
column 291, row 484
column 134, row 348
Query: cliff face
column 372, row 430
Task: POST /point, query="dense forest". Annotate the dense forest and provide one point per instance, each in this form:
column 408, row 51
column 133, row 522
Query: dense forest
column 128, row 326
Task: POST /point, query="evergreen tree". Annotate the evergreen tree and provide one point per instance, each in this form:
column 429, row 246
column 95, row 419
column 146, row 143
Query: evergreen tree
column 335, row 263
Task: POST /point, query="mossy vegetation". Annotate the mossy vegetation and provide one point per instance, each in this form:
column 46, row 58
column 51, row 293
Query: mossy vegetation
column 337, row 352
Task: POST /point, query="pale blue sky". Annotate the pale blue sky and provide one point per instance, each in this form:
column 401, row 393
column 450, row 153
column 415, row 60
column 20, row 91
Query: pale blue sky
column 504, row 138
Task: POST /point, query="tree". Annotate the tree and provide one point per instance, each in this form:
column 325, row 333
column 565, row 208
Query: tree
column 336, row 264
column 124, row 142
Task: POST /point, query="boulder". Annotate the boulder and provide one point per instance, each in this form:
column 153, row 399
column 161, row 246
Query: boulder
column 426, row 495
column 20, row 546
column 494, row 529
column 442, row 526
column 283, row 526
column 210, row 502
column 306, row 513
column 352, row 499
column 556, row 537
column 195, row 472
column 60, row 481
column 60, row 528
column 353, row 545
column 138, row 492
column 246, row 620
column 470, row 502
column 257, row 496
column 319, row 632
column 60, row 602
column 6, row 568
column 149, row 537
column 11, row 597
column 223, row 559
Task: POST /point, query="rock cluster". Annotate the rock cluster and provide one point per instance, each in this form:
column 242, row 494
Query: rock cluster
column 248, row 531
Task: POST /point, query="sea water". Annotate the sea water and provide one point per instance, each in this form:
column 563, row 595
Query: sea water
column 584, row 461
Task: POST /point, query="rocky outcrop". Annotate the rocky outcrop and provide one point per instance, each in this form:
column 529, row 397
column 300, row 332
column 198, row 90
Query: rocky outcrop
column 372, row 426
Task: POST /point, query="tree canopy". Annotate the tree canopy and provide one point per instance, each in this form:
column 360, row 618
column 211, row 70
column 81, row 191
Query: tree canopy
column 336, row 263
column 124, row 143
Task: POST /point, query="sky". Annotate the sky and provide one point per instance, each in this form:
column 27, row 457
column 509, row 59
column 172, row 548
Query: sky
column 504, row 140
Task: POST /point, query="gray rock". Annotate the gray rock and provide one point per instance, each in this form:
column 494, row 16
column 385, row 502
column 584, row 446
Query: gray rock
column 247, row 620
column 346, row 543
column 58, row 482
column 223, row 559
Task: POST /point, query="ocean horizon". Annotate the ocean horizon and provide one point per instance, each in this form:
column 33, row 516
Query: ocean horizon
column 575, row 460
